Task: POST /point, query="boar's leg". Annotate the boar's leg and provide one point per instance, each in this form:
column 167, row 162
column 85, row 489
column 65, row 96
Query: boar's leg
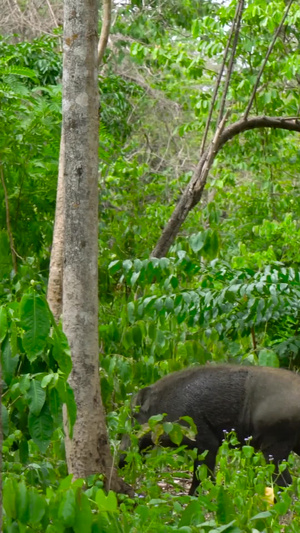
column 278, row 452
column 211, row 444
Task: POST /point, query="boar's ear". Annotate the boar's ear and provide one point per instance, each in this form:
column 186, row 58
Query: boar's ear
column 142, row 398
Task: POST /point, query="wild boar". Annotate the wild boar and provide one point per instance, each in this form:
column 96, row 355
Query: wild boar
column 260, row 402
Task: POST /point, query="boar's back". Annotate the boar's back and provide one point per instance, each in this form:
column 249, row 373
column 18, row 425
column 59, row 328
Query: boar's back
column 225, row 397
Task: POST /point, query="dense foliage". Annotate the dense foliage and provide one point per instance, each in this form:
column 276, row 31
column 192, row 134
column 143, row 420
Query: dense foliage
column 229, row 289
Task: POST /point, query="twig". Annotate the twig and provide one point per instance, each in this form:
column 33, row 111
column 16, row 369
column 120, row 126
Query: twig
column 10, row 236
column 266, row 59
column 52, row 13
column 217, row 85
column 236, row 29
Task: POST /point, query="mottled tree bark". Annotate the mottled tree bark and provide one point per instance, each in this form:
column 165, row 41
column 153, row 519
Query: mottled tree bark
column 54, row 292
column 88, row 451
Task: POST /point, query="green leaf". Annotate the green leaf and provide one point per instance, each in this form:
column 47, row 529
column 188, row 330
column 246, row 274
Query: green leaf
column 67, row 508
column 35, row 320
column 37, row 506
column 197, row 241
column 9, row 363
column 137, row 335
column 23, row 450
column 71, row 408
column 83, row 514
column 41, row 428
column 54, row 402
column 61, row 351
column 5, row 420
column 10, row 488
column 24, row 383
column 114, row 266
column 3, row 323
column 225, row 509
column 176, row 434
column 36, row 397
column 22, row 502
column 107, row 503
column 263, row 514
column 5, row 255
column 268, row 358
column 48, row 379
column 192, row 515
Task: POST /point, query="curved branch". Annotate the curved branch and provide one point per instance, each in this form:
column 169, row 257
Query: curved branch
column 106, row 22
column 193, row 192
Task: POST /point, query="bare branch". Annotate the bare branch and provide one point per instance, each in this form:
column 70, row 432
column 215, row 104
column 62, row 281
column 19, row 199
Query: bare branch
column 266, row 59
column 193, row 192
column 106, row 23
column 217, row 85
column 236, row 30
column 52, row 14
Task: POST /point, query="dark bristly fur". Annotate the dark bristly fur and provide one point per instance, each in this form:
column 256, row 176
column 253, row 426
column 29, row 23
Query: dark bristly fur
column 260, row 402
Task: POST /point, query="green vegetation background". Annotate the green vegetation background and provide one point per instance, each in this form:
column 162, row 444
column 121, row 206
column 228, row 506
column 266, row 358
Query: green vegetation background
column 228, row 290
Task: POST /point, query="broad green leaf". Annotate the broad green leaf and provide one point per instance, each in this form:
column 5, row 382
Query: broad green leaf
column 41, row 428
column 83, row 514
column 168, row 426
column 24, row 383
column 23, row 450
column 5, row 420
column 115, row 266
column 176, row 434
column 10, row 487
column 66, row 482
column 57, row 528
column 5, row 255
column 263, row 514
column 9, row 363
column 22, row 501
column 192, row 515
column 268, row 358
column 107, row 503
column 67, row 508
column 53, row 377
column 54, row 402
column 35, row 320
column 197, row 241
column 156, row 433
column 130, row 311
column 37, row 506
column 3, row 323
column 71, row 408
column 225, row 508
column 61, row 351
column 160, row 338
column 137, row 335
column 36, row 397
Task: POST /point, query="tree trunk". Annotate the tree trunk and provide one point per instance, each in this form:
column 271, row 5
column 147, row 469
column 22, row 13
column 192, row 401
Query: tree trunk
column 88, row 451
column 54, row 292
